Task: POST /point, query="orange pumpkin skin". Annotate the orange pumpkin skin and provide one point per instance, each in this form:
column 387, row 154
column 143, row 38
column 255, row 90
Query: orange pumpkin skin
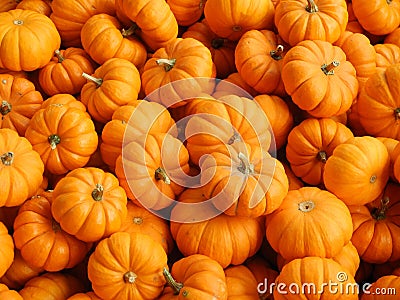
column 139, row 219
column 161, row 18
column 63, row 74
column 84, row 296
column 21, row 48
column 232, row 19
column 114, row 84
column 103, row 38
column 241, row 283
column 328, row 18
column 40, row 6
column 134, row 119
column 294, row 182
column 20, row 169
column 386, row 286
column 64, row 100
column 19, row 272
column 5, row 293
column 364, row 165
column 70, row 16
column 216, row 236
column 312, row 70
column 375, row 223
column 378, row 104
column 123, row 275
column 396, row 164
column 7, row 249
column 222, row 50
column 360, row 53
column 192, row 272
column 393, row 150
column 258, row 59
column 19, row 102
column 35, row 228
column 7, row 5
column 378, row 17
column 64, row 137
column 262, row 180
column 234, row 84
column 393, row 37
column 295, row 219
column 324, row 276
column 99, row 205
column 54, row 285
column 149, row 175
column 311, row 143
column 187, row 12
column 386, row 55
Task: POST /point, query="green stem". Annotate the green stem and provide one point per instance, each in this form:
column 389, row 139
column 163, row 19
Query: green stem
column 7, row 158
column 161, row 174
column 54, row 140
column 130, row 31
column 176, row 286
column 97, row 81
column 167, row 63
column 5, row 107
column 245, row 166
column 277, row 53
column 380, row 212
column 130, row 277
column 330, row 69
column 322, row 156
column 59, row 56
column 97, row 193
column 311, row 7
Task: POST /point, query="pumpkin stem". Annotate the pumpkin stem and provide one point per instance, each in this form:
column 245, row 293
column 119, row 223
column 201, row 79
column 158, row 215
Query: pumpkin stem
column 330, row 69
column 245, row 166
column 234, row 138
column 176, row 286
column 372, row 179
column 54, row 140
column 7, row 158
column 137, row 220
column 321, row 156
column 397, row 113
column 202, row 3
column 311, row 6
column 379, row 213
column 237, row 28
column 59, row 56
column 5, row 107
column 18, row 22
column 306, row 206
column 160, row 173
column 277, row 53
column 130, row 31
column 130, row 277
column 97, row 193
column 167, row 63
column 218, row 43
column 97, row 81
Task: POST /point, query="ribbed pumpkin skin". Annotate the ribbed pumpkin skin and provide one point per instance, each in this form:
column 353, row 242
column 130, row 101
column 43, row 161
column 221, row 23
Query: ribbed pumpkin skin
column 7, row 249
column 389, row 283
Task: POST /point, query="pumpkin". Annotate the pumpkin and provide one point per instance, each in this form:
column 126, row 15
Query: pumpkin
column 21, row 169
column 127, row 266
column 63, row 74
column 354, row 122
column 294, row 182
column 181, row 60
column 391, row 145
column 387, row 55
column 6, row 5
column 360, row 53
column 243, row 181
column 129, row 121
column 364, row 165
column 234, row 84
column 64, row 100
column 28, row 40
column 157, row 24
column 84, row 296
column 222, row 50
column 232, row 19
column 324, row 277
column 54, row 286
column 396, row 165
column 35, row 228
column 279, row 116
column 19, row 272
column 103, row 37
column 199, row 228
column 93, row 211
column 40, row 6
column 393, row 37
column 16, row 74
column 294, row 222
column 352, row 24
column 211, row 123
column 7, row 249
column 319, row 78
column 377, row 222
column 241, row 284
column 385, row 285
column 139, row 219
column 311, row 143
column 187, row 12
column 195, row 276
column 19, row 102
column 258, row 59
column 115, row 83
column 153, row 169
column 299, row 20
column 64, row 137
column 378, row 104
column 70, row 16
column 378, row 17
column 5, row 293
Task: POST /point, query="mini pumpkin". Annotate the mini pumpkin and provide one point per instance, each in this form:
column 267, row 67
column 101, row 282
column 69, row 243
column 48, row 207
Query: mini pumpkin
column 40, row 6
column 6, row 293
column 386, row 55
column 84, row 296
column 242, row 284
column 7, row 249
column 385, row 285
column 187, row 12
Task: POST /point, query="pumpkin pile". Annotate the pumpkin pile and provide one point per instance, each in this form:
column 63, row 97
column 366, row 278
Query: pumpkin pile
column 199, row 149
